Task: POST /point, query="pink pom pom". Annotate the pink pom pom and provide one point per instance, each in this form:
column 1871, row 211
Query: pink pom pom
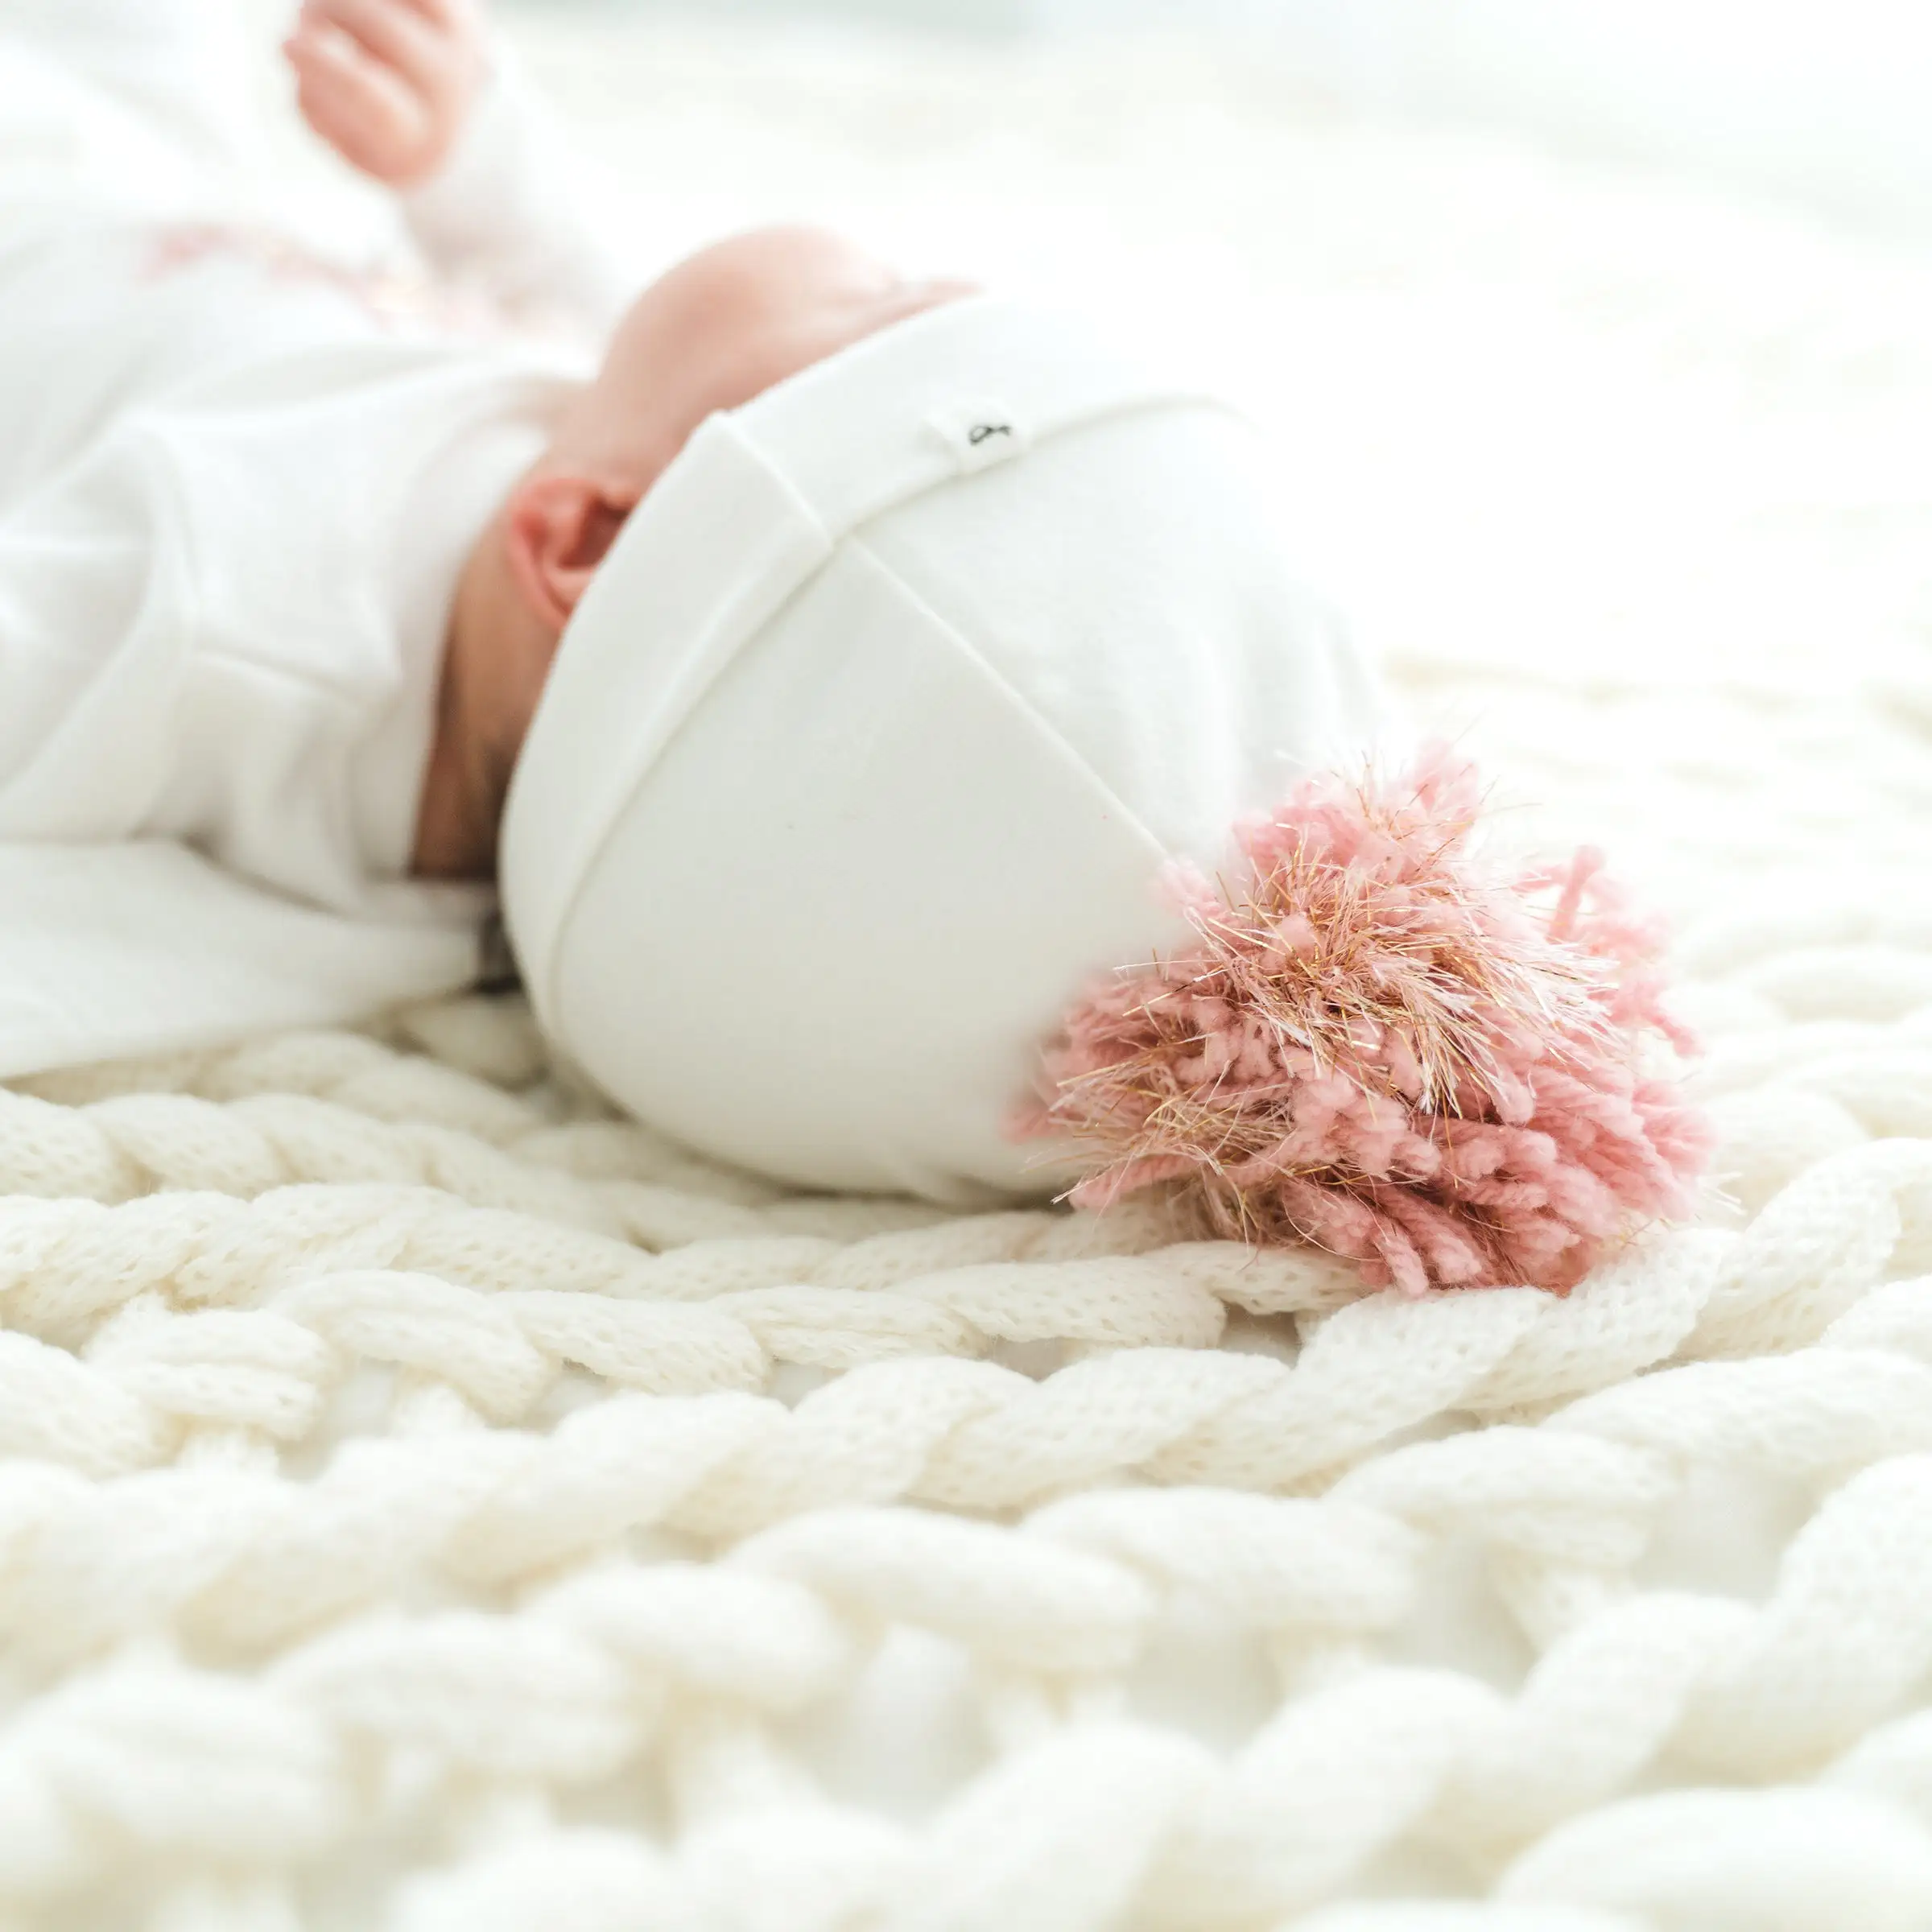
column 1378, row 1049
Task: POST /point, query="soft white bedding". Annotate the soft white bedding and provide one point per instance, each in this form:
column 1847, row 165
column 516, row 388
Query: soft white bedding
column 425, row 1505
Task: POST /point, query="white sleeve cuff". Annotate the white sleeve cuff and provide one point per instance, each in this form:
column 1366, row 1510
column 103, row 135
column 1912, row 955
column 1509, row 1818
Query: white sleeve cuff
column 511, row 215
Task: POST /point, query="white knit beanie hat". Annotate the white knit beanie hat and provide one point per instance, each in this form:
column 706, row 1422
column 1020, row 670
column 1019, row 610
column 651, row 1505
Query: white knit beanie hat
column 867, row 747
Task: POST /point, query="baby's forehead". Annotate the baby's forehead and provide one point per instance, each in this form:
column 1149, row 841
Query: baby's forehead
column 776, row 266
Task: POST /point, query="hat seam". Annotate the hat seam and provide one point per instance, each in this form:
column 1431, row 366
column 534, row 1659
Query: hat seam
column 1019, row 703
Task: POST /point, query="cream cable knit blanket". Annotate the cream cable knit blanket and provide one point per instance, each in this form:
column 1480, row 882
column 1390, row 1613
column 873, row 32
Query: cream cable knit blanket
column 426, row 1505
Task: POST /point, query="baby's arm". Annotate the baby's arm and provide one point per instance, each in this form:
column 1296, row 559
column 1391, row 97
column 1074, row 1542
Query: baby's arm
column 415, row 94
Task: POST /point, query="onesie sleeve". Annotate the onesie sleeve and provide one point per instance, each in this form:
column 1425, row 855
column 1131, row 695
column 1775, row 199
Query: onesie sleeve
column 514, row 215
column 88, row 570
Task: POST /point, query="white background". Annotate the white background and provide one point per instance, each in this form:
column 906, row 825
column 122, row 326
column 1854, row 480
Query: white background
column 1826, row 105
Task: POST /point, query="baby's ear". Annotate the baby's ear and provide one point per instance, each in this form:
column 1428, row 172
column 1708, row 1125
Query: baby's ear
column 560, row 528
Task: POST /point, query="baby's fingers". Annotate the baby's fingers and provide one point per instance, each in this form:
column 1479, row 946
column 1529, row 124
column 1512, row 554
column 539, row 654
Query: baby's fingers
column 455, row 16
column 394, row 32
column 367, row 113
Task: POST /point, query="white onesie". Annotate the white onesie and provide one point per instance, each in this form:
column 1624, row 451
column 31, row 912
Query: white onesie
column 237, row 486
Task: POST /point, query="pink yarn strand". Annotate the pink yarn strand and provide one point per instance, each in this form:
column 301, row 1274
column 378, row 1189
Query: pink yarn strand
column 1378, row 1048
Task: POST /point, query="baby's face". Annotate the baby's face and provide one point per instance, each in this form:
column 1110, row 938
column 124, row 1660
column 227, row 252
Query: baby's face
column 728, row 323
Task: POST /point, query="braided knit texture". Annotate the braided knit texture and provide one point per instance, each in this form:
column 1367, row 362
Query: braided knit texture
column 428, row 1505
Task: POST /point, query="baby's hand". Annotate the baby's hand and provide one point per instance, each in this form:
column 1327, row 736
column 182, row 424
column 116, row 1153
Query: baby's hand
column 389, row 84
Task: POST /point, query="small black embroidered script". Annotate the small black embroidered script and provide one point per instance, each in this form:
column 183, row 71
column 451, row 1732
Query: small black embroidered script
column 981, row 432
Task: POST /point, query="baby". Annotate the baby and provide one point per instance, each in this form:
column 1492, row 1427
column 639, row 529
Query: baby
column 283, row 556
column 830, row 673
column 389, row 85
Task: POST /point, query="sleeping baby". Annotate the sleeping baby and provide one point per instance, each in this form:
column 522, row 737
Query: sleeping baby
column 884, row 710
